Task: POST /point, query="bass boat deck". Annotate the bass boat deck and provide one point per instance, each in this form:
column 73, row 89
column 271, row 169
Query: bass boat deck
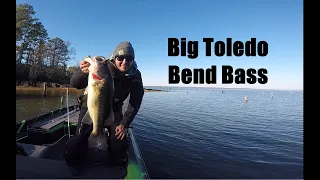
column 40, row 143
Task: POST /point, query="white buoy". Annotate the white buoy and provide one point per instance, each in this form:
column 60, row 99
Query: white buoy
column 246, row 98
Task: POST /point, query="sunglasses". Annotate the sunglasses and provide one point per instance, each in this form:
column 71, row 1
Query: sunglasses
column 128, row 58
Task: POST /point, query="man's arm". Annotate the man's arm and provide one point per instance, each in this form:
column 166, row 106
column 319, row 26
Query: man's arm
column 79, row 79
column 136, row 96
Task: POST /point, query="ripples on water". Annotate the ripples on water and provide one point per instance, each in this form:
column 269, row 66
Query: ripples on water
column 209, row 134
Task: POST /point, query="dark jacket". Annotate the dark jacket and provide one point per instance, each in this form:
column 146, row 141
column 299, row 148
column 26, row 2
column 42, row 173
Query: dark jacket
column 124, row 84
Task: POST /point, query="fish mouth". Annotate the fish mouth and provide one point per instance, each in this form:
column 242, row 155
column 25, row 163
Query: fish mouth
column 96, row 77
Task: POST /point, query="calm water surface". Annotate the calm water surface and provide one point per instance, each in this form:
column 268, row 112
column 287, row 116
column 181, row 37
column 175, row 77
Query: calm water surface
column 203, row 133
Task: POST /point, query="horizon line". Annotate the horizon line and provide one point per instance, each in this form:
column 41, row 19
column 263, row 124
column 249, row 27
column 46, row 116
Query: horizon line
column 222, row 87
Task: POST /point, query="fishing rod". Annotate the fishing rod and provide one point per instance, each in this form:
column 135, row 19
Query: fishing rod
column 68, row 115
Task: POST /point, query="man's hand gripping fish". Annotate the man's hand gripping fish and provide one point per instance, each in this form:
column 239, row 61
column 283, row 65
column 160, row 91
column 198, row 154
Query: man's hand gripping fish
column 99, row 100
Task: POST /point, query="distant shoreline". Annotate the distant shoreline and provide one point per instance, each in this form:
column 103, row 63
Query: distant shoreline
column 24, row 88
column 228, row 88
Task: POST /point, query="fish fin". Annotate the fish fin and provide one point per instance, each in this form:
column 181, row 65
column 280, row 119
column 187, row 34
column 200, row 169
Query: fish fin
column 87, row 119
column 85, row 92
column 98, row 142
column 101, row 58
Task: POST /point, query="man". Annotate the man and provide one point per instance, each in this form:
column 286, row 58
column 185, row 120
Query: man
column 127, row 80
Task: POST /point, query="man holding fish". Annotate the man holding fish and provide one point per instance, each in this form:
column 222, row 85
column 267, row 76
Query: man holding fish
column 108, row 83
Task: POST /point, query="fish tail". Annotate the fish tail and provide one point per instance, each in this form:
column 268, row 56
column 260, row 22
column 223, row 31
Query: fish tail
column 94, row 131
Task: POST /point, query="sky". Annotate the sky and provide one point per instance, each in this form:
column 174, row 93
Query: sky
column 96, row 27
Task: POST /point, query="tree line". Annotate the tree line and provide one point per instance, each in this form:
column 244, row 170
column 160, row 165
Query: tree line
column 40, row 58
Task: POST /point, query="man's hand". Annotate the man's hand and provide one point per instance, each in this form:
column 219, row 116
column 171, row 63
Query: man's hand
column 84, row 65
column 121, row 132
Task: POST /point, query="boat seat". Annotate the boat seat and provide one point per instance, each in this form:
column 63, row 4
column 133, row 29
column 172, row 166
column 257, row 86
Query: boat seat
column 34, row 168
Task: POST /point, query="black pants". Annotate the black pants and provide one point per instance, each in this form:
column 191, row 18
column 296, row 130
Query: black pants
column 117, row 149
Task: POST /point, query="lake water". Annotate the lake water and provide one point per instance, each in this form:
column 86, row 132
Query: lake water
column 202, row 133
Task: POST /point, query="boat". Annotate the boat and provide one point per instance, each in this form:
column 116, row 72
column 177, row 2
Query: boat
column 40, row 144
